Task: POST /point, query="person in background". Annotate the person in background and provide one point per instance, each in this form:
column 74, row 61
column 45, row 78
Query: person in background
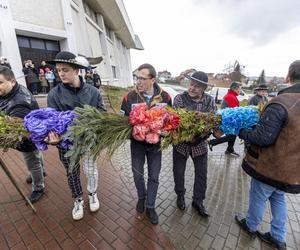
column 4, row 62
column 260, row 96
column 147, row 91
column 272, row 161
column 16, row 100
column 229, row 101
column 96, row 79
column 50, row 77
column 71, row 93
column 193, row 100
column 89, row 76
column 31, row 76
column 43, row 81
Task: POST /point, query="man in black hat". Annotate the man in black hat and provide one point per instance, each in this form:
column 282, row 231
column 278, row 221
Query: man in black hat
column 71, row 93
column 194, row 99
column 260, row 96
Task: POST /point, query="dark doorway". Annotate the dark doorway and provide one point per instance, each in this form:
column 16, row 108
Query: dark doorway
column 36, row 49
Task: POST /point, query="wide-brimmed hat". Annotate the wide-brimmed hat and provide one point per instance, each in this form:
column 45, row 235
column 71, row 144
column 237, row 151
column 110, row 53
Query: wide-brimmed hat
column 198, row 77
column 67, row 57
column 261, row 87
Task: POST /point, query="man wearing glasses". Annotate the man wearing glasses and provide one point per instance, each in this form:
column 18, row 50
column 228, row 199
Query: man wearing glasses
column 146, row 91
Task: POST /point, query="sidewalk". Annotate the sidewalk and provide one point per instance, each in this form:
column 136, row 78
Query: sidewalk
column 115, row 226
column 227, row 194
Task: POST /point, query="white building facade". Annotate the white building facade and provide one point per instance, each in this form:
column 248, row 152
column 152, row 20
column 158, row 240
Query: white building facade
column 38, row 30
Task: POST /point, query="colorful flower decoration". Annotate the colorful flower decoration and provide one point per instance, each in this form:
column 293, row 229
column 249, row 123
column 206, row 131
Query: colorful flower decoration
column 150, row 124
column 40, row 122
column 235, row 119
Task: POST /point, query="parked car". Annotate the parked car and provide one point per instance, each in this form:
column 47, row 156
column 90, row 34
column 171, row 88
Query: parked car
column 218, row 94
column 173, row 90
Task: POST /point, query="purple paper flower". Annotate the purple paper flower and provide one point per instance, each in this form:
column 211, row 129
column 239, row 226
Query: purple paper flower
column 42, row 121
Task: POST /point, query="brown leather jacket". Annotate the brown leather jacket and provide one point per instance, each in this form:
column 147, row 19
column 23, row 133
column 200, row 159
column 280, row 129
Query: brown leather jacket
column 279, row 164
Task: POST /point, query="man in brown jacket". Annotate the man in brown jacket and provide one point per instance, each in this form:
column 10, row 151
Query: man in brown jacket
column 272, row 160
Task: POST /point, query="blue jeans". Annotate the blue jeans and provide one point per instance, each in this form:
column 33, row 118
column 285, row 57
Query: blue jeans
column 259, row 194
column 140, row 150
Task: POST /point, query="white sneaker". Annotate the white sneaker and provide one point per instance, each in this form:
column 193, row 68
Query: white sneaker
column 77, row 211
column 94, row 202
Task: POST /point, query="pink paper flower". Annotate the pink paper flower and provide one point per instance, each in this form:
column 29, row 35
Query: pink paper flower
column 139, row 132
column 152, row 138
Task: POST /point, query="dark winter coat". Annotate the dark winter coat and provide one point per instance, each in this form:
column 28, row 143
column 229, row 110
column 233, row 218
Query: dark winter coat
column 19, row 102
column 64, row 97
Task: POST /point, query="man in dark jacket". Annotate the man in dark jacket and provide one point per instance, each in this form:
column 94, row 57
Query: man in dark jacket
column 195, row 99
column 16, row 100
column 71, row 93
column 260, row 96
column 272, row 160
column 229, row 101
column 146, row 91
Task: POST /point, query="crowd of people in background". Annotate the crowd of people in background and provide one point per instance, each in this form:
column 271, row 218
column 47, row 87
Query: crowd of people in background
column 41, row 79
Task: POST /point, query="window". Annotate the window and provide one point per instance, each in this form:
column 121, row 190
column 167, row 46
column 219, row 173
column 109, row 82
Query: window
column 114, row 71
column 23, row 42
column 90, row 12
column 37, row 43
column 108, row 32
column 52, row 45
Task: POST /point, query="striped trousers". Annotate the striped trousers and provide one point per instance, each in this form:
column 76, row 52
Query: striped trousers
column 90, row 170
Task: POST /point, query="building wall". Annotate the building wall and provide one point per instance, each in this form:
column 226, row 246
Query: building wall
column 42, row 13
column 65, row 21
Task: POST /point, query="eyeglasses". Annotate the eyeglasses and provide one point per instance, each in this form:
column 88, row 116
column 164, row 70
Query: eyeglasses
column 142, row 78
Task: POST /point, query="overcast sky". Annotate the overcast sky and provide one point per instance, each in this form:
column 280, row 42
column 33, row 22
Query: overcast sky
column 208, row 34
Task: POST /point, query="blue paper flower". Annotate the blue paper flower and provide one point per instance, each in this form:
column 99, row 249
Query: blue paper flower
column 235, row 119
column 40, row 122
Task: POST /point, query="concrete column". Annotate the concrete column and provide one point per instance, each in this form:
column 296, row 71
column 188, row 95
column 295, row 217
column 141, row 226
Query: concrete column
column 106, row 56
column 69, row 43
column 8, row 39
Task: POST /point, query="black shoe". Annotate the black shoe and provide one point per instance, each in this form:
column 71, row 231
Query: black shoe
column 201, row 209
column 180, row 202
column 268, row 238
column 233, row 153
column 29, row 178
column 152, row 215
column 242, row 223
column 140, row 206
column 36, row 195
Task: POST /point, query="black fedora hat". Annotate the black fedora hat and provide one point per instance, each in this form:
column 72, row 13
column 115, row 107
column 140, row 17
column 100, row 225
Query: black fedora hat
column 261, row 87
column 198, row 77
column 67, row 57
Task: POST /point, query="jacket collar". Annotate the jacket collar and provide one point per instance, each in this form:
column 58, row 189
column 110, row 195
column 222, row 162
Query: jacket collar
column 12, row 92
column 292, row 89
column 73, row 88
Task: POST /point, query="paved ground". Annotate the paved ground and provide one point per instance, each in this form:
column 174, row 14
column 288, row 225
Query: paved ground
column 227, row 195
column 117, row 225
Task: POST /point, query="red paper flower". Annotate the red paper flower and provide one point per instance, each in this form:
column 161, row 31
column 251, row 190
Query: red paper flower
column 150, row 123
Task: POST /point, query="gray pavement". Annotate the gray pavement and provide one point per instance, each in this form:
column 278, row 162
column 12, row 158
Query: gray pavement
column 227, row 194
